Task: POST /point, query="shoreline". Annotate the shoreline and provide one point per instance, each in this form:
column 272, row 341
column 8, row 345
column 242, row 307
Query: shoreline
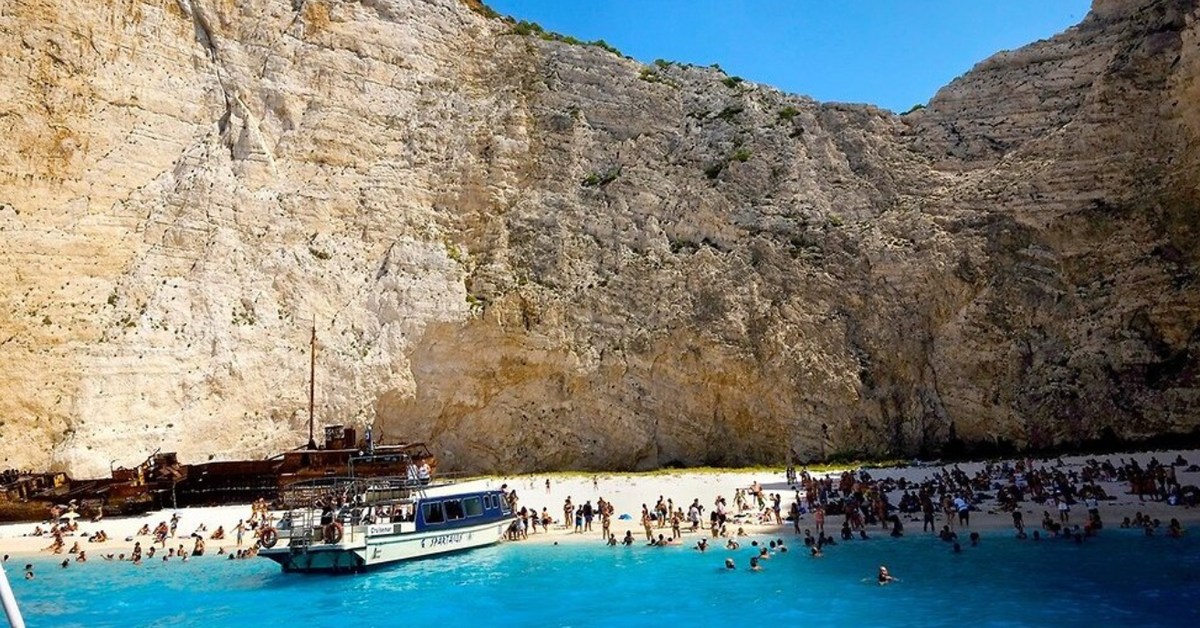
column 629, row 491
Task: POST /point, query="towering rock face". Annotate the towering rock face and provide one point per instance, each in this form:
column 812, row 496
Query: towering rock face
column 543, row 255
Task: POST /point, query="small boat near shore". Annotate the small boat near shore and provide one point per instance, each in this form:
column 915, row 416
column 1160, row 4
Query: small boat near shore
column 351, row 524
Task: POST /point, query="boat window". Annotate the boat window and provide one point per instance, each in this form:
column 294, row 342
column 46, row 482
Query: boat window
column 505, row 507
column 454, row 509
column 473, row 506
column 433, row 512
column 487, row 502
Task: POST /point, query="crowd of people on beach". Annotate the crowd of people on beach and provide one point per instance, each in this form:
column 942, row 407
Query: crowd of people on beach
column 857, row 500
column 943, row 502
column 62, row 525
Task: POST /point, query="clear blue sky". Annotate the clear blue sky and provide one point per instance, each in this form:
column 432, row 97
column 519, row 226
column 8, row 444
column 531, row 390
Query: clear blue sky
column 884, row 52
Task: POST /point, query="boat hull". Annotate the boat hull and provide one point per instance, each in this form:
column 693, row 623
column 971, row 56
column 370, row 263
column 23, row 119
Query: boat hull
column 369, row 547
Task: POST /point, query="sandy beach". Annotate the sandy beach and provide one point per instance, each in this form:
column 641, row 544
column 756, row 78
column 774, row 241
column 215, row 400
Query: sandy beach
column 628, row 492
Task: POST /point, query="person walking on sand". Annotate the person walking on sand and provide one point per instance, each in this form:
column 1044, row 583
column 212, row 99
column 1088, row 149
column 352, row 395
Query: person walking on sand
column 240, row 528
column 964, row 511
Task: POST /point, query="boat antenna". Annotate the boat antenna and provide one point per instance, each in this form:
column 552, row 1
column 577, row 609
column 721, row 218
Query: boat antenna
column 312, row 382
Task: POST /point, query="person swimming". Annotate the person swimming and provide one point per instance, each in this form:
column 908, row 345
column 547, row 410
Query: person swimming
column 729, row 564
column 884, row 576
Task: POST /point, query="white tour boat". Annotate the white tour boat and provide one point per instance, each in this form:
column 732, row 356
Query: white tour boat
column 352, row 524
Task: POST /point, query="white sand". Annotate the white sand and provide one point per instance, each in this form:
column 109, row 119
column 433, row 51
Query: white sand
column 628, row 492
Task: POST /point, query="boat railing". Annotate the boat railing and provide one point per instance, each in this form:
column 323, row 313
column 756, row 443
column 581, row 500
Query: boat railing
column 8, row 602
column 376, row 489
column 311, row 506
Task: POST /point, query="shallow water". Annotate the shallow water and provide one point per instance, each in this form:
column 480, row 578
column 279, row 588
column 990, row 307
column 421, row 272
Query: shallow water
column 1121, row 578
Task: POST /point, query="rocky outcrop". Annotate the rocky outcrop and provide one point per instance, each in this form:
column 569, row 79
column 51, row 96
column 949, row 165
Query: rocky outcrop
column 539, row 254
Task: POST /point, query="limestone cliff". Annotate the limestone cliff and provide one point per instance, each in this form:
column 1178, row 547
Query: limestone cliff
column 538, row 254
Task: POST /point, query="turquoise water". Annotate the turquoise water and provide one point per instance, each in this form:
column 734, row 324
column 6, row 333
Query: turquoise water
column 1121, row 578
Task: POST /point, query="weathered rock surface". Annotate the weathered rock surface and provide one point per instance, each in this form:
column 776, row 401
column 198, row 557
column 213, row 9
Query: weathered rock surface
column 542, row 255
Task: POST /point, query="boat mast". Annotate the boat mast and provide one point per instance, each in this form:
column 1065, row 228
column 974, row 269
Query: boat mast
column 312, row 383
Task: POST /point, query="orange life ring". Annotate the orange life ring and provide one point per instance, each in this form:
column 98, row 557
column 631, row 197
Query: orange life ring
column 333, row 533
column 268, row 538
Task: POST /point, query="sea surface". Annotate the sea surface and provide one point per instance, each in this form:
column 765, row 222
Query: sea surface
column 1121, row 578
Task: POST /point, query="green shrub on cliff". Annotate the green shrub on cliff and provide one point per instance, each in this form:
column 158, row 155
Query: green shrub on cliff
column 597, row 179
column 525, row 29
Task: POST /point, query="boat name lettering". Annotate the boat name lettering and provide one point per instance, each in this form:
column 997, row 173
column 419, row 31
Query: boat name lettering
column 443, row 539
column 383, row 528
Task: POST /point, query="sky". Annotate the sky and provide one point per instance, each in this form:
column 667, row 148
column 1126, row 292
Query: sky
column 884, row 52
